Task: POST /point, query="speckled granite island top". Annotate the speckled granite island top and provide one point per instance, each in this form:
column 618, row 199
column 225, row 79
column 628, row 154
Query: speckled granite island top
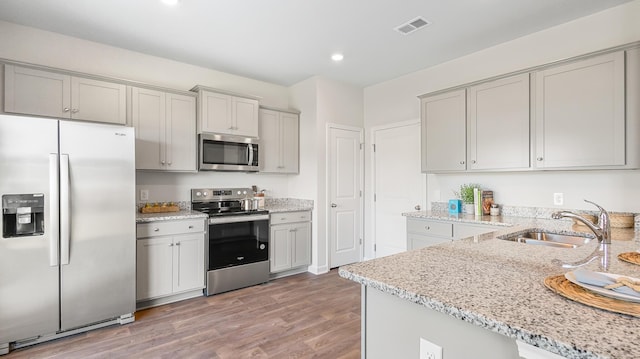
column 498, row 285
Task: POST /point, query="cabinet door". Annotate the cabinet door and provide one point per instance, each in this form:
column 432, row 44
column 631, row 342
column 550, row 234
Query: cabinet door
column 301, row 244
column 280, row 248
column 36, row 92
column 443, row 132
column 215, row 113
column 188, row 254
column 579, row 111
column 416, row 241
column 290, row 142
column 245, row 116
column 154, row 266
column 98, row 101
column 181, row 132
column 498, row 124
column 148, row 118
column 269, row 151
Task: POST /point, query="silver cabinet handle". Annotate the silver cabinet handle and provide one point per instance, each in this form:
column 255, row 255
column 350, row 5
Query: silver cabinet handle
column 66, row 109
column 156, row 229
column 333, row 205
column 417, row 207
column 473, row 161
column 427, row 228
column 461, row 162
column 170, row 244
column 162, row 162
column 190, row 227
column 539, row 158
column 177, row 244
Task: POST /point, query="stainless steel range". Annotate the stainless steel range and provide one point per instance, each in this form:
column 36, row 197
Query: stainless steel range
column 238, row 245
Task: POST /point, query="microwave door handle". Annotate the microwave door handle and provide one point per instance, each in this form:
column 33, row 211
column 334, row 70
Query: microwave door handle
column 250, row 149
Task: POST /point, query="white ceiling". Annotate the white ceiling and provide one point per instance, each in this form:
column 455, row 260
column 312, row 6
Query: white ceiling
column 287, row 41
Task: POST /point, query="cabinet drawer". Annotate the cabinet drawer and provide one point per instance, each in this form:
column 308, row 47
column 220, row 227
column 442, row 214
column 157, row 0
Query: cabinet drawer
column 429, row 228
column 415, row 241
column 466, row 230
column 169, row 228
column 290, row 217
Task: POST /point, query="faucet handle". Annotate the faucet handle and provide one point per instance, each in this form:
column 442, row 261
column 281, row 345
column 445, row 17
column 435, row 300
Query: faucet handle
column 603, row 218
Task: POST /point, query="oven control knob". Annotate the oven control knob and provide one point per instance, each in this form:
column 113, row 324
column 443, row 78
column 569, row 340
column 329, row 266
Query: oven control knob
column 262, row 246
column 244, row 192
column 239, row 192
column 205, row 194
column 198, row 194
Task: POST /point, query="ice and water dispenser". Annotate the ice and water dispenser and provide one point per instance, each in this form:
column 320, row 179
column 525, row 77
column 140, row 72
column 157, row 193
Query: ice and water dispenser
column 22, row 215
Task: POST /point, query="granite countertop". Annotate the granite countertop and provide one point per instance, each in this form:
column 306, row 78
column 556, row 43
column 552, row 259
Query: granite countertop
column 273, row 205
column 168, row 216
column 498, row 285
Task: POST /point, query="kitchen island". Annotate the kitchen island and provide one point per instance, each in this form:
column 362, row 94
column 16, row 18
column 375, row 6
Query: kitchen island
column 445, row 293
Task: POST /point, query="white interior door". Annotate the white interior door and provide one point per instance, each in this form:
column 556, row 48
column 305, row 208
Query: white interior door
column 399, row 185
column 345, row 184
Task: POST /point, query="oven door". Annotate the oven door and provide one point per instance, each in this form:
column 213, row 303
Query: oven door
column 228, row 153
column 237, row 240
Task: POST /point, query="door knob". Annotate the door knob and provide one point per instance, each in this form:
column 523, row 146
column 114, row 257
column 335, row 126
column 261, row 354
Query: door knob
column 417, row 207
column 333, row 205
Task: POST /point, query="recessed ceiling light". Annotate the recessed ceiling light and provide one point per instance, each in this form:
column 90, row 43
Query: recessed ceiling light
column 337, row 57
column 170, row 2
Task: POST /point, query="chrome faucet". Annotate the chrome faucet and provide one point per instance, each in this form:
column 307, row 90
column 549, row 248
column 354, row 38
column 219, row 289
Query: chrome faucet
column 602, row 231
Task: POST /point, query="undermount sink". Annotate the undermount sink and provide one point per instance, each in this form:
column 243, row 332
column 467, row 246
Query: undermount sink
column 550, row 239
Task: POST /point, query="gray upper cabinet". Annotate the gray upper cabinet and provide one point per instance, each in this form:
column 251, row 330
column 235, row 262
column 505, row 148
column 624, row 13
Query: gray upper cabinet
column 498, row 124
column 226, row 114
column 279, row 141
column 45, row 93
column 165, row 124
column 444, row 132
column 580, row 113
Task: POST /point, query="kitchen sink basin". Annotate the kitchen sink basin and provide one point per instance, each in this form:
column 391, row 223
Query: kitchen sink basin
column 550, row 239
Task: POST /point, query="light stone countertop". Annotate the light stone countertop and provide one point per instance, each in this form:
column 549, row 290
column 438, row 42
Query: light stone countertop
column 498, row 285
column 168, row 216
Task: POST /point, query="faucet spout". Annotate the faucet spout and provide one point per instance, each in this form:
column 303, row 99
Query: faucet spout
column 602, row 231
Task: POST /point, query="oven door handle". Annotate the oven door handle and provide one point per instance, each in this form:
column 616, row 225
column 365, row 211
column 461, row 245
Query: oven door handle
column 237, row 219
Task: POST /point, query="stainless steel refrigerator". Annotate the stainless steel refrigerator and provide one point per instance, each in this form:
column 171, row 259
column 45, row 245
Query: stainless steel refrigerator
column 67, row 251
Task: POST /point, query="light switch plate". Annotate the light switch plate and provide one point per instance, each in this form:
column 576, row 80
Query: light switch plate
column 144, row 194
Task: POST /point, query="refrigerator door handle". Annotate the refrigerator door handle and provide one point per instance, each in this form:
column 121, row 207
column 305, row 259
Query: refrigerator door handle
column 54, row 211
column 65, row 213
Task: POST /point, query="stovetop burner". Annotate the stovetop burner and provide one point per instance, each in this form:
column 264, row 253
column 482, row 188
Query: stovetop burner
column 222, row 201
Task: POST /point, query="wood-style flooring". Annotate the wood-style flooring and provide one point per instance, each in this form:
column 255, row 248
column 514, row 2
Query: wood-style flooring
column 302, row 316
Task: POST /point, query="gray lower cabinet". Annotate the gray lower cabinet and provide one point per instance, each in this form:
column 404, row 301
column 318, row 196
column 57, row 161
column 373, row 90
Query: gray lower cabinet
column 170, row 261
column 427, row 232
column 34, row 91
column 290, row 241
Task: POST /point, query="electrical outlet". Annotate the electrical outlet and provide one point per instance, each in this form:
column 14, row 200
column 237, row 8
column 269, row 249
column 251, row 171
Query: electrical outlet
column 144, row 194
column 429, row 350
column 558, row 199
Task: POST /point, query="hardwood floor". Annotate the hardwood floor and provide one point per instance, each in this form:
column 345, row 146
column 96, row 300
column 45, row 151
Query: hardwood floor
column 302, row 316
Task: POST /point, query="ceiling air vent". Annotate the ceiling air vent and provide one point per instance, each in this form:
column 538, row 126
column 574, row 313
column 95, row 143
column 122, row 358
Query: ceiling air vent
column 412, row 25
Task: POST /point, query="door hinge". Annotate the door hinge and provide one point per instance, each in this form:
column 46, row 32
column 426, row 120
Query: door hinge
column 374, row 147
column 361, row 146
column 374, row 247
column 360, row 241
column 374, row 197
column 360, row 194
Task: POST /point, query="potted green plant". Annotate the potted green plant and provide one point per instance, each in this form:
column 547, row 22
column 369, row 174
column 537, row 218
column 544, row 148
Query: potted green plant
column 466, row 195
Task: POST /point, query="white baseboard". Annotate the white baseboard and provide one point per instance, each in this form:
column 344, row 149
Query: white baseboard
column 318, row 269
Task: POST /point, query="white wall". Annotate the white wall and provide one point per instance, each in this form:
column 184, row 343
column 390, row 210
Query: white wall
column 20, row 43
column 322, row 101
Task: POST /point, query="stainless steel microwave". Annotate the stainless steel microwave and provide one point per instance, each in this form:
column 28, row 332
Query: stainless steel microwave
column 227, row 153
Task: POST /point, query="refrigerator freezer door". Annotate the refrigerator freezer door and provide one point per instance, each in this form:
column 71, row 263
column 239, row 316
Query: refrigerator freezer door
column 98, row 283
column 28, row 270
